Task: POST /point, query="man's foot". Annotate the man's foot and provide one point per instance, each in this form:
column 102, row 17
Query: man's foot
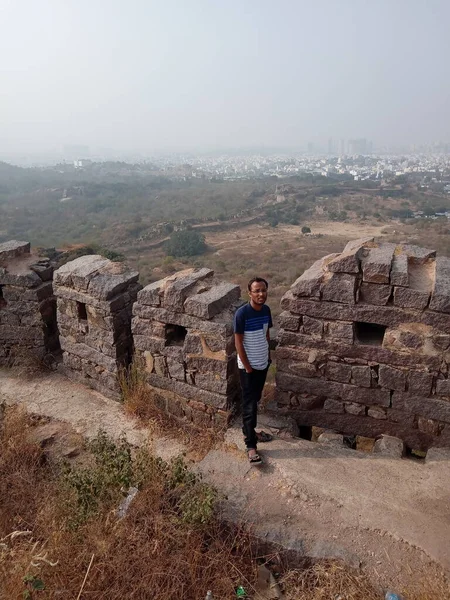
column 253, row 457
column 262, row 436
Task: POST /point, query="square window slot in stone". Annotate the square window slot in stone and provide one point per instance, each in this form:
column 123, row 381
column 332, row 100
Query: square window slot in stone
column 369, row 334
column 2, row 300
column 81, row 311
column 175, row 335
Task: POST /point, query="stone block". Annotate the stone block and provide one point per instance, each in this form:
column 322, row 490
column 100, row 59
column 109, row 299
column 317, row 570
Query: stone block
column 338, row 372
column 388, row 316
column 211, row 302
column 146, row 327
column 440, row 298
column 443, row 387
column 288, row 321
column 26, row 279
column 399, row 271
column 361, row 376
column 374, row 293
column 282, row 426
column 187, row 391
column 389, row 446
column 215, row 383
column 417, row 254
column 435, row 454
column 45, row 271
column 161, row 368
column 339, row 287
column 176, row 370
column 312, row 326
column 308, row 284
column 391, row 378
column 420, row 383
column 176, row 291
column 320, row 349
column 149, row 361
column 164, row 315
column 431, row 408
column 192, row 344
column 340, row 330
column 429, row 426
column 346, row 262
column 76, row 273
column 441, row 341
column 366, row 396
column 364, row 444
column 333, row 439
column 361, row 425
column 308, row 401
column 376, row 412
column 360, row 243
column 89, row 354
column 354, row 409
column 376, row 265
column 304, row 369
column 438, row 320
column 331, row 389
column 409, row 298
column 115, row 280
column 13, row 249
column 333, row 406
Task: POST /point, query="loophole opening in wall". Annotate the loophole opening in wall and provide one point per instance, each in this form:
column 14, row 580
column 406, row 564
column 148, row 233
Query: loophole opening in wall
column 175, row 335
column 369, row 334
column 81, row 311
column 2, row 299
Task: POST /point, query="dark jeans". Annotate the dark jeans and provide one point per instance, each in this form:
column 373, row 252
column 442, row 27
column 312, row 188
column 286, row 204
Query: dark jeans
column 252, row 385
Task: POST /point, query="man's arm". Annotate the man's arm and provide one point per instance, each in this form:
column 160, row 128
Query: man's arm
column 268, row 341
column 239, row 342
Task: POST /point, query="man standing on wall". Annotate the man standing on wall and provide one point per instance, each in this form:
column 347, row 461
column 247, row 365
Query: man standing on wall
column 251, row 333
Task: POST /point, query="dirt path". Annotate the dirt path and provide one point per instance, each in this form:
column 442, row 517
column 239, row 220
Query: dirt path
column 390, row 516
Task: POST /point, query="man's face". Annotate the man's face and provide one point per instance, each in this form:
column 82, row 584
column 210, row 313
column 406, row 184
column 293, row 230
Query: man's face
column 258, row 292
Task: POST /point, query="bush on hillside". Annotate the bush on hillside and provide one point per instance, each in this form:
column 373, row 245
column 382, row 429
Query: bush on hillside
column 186, row 243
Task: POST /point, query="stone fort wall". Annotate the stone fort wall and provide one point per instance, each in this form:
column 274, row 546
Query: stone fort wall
column 364, row 340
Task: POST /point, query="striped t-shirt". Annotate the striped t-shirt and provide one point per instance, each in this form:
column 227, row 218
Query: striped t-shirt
column 254, row 325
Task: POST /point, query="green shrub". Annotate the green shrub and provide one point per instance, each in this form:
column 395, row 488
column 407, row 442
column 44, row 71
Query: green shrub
column 186, row 243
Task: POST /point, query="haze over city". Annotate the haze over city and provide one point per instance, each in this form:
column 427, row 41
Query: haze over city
column 148, row 76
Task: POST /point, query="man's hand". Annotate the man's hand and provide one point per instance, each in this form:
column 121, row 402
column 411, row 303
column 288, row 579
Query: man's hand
column 249, row 370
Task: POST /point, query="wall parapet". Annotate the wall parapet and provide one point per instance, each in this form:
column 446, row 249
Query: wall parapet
column 364, row 344
column 183, row 332
column 28, row 330
column 94, row 300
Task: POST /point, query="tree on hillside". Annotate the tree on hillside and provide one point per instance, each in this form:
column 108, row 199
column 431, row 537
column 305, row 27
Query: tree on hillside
column 306, row 229
column 186, row 243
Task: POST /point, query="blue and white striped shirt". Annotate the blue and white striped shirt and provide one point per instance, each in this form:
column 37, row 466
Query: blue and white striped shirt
column 254, row 325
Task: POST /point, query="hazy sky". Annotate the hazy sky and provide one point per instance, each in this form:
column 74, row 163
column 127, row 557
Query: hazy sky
column 145, row 74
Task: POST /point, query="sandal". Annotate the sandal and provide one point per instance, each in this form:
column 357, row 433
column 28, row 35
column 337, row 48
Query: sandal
column 262, row 436
column 255, row 459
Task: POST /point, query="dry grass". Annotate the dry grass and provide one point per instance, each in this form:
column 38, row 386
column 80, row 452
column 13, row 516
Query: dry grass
column 171, row 544
column 147, row 406
column 328, row 580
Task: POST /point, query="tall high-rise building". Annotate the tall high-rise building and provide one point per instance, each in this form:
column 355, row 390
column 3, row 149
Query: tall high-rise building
column 358, row 146
column 331, row 146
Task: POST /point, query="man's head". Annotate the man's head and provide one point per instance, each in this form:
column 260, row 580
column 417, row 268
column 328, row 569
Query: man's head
column 257, row 290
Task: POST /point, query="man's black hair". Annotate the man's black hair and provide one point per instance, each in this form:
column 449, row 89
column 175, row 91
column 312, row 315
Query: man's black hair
column 257, row 280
